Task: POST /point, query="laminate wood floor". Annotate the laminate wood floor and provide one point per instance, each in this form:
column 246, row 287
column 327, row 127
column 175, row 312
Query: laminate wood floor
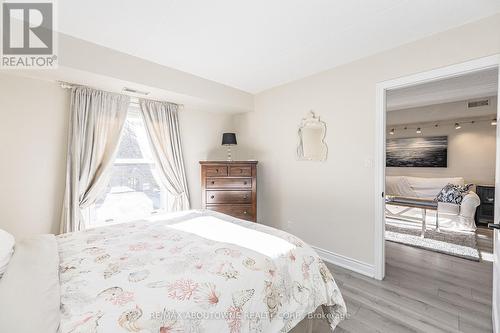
column 423, row 291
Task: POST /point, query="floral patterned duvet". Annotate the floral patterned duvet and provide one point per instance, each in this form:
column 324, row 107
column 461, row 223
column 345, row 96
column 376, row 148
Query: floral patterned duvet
column 200, row 272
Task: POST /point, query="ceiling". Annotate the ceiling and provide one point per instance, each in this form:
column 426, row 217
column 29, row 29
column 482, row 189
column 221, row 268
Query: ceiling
column 255, row 45
column 460, row 88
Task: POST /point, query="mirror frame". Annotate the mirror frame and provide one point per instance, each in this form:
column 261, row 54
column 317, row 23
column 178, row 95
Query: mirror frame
column 312, row 119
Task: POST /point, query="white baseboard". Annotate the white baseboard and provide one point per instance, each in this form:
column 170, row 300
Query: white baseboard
column 346, row 262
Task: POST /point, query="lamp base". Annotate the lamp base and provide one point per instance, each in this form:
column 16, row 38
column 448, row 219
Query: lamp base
column 229, row 158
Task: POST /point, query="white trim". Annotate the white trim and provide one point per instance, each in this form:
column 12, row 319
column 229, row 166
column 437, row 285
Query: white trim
column 345, row 262
column 379, row 160
column 496, row 233
column 495, row 301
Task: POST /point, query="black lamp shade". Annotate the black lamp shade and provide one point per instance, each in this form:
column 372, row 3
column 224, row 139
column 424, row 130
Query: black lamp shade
column 229, row 139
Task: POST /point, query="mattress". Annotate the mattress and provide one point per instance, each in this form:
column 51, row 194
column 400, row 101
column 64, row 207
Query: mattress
column 199, row 272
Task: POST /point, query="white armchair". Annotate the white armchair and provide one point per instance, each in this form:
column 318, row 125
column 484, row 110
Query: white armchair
column 461, row 216
column 456, row 216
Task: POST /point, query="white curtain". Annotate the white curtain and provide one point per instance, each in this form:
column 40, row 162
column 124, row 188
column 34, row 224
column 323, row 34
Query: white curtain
column 162, row 126
column 96, row 124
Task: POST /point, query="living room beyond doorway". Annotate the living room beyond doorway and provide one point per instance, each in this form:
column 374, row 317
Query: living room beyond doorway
column 440, row 172
column 440, row 163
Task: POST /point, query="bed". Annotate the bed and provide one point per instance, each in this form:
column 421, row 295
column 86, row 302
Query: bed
column 199, row 271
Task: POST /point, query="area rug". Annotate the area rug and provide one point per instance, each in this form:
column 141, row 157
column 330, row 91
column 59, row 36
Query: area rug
column 458, row 244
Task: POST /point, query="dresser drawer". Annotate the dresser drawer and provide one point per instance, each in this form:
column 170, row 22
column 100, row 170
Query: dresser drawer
column 219, row 170
column 228, row 197
column 244, row 212
column 230, row 188
column 240, row 170
column 229, row 182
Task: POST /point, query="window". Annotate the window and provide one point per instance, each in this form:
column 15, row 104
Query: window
column 134, row 190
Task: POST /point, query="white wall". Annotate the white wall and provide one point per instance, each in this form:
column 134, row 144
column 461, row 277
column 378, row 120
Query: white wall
column 112, row 70
column 201, row 135
column 440, row 112
column 331, row 204
column 33, row 128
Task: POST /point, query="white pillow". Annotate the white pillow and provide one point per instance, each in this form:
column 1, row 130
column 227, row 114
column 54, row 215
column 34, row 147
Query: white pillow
column 30, row 299
column 7, row 242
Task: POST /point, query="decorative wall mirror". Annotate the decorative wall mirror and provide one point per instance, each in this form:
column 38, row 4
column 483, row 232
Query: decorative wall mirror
column 312, row 146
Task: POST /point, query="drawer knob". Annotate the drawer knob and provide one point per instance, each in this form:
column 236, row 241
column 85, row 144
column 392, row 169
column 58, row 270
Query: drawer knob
column 213, row 182
column 212, row 196
column 245, row 197
column 245, row 212
column 216, row 170
column 244, row 183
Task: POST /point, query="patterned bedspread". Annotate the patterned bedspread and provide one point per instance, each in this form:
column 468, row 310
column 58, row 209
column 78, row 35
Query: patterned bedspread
column 201, row 272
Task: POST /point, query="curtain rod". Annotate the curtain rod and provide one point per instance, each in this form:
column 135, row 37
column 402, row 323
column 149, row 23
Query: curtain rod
column 135, row 100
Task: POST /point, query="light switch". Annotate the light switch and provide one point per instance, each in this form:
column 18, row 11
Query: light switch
column 368, row 163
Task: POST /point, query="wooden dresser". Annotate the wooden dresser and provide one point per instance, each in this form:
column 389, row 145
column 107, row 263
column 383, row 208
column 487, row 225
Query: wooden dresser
column 230, row 188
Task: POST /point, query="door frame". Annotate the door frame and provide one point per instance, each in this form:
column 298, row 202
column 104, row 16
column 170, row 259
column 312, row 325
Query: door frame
column 380, row 138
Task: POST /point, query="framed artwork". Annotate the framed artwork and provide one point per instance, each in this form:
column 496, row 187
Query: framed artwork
column 421, row 152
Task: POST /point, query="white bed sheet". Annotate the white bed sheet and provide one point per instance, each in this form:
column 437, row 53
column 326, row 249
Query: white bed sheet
column 198, row 271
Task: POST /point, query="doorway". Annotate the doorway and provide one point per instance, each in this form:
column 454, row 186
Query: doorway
column 384, row 90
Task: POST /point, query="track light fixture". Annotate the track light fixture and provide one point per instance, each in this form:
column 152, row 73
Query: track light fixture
column 419, row 128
